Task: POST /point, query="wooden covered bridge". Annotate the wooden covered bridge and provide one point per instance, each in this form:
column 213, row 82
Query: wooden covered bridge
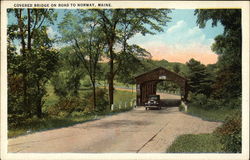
column 146, row 84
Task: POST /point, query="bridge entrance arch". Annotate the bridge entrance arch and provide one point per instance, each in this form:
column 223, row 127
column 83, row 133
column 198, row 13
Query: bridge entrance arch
column 146, row 84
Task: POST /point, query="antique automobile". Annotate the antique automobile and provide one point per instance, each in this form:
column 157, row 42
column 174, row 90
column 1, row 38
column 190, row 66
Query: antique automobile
column 153, row 102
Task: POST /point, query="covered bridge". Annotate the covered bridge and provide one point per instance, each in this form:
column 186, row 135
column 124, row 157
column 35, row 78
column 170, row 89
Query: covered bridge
column 146, row 83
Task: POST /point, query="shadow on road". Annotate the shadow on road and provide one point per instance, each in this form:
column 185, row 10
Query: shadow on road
column 117, row 123
column 170, row 102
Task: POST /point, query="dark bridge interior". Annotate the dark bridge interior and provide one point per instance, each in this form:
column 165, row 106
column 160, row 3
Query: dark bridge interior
column 146, row 85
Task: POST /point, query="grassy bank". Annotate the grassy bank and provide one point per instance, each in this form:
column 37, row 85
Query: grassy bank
column 50, row 122
column 47, row 123
column 211, row 115
column 201, row 143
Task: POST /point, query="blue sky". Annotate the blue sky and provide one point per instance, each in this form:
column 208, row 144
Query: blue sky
column 180, row 41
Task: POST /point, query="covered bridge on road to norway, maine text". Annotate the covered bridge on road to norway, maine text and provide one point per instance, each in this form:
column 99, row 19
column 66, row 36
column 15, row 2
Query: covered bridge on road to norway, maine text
column 146, row 84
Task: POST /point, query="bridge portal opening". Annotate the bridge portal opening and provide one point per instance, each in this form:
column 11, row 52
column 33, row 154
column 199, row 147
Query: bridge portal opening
column 146, row 84
column 170, row 93
column 168, row 87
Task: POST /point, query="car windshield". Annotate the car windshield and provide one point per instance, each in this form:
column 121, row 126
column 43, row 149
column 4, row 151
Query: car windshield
column 153, row 98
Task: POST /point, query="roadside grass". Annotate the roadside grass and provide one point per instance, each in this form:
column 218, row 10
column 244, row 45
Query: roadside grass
column 51, row 122
column 200, row 143
column 35, row 125
column 123, row 96
column 211, row 115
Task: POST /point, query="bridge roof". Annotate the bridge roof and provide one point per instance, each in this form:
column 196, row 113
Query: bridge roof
column 157, row 71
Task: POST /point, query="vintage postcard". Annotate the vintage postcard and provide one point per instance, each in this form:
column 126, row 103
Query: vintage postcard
column 125, row 80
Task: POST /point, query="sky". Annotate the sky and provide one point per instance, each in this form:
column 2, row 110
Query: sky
column 180, row 41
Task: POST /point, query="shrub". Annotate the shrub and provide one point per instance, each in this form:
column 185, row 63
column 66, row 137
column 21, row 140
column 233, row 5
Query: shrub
column 66, row 106
column 59, row 83
column 198, row 100
column 86, row 83
column 213, row 104
column 233, row 103
column 101, row 100
column 230, row 134
column 202, row 101
column 16, row 120
column 181, row 108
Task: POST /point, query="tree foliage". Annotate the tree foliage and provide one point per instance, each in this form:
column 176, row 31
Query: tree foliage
column 69, row 72
column 200, row 80
column 118, row 26
column 87, row 43
column 228, row 82
column 33, row 65
column 228, row 46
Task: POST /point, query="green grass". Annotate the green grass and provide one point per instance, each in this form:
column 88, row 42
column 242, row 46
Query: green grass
column 119, row 84
column 212, row 114
column 201, row 143
column 50, row 98
column 35, row 124
column 123, row 96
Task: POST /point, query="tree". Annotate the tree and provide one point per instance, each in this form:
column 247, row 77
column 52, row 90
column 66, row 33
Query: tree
column 118, row 26
column 228, row 47
column 199, row 78
column 66, row 80
column 41, row 67
column 176, row 68
column 129, row 65
column 87, row 43
column 28, row 28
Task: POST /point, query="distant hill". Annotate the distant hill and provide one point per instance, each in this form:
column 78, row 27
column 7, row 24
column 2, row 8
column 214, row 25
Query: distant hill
column 147, row 65
column 173, row 66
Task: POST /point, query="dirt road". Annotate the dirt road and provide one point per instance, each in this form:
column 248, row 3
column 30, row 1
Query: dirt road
column 134, row 131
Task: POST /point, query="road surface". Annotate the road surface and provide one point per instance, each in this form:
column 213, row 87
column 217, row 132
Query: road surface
column 135, row 131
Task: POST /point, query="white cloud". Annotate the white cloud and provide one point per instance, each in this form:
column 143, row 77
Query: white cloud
column 195, row 34
column 180, row 33
column 194, row 30
column 178, row 43
column 180, row 24
column 51, row 33
column 186, row 36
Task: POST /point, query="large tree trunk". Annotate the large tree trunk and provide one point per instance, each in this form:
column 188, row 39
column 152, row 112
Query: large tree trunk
column 111, row 79
column 94, row 97
column 23, row 51
column 39, row 108
column 38, row 103
column 29, row 32
column 92, row 78
column 27, row 101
